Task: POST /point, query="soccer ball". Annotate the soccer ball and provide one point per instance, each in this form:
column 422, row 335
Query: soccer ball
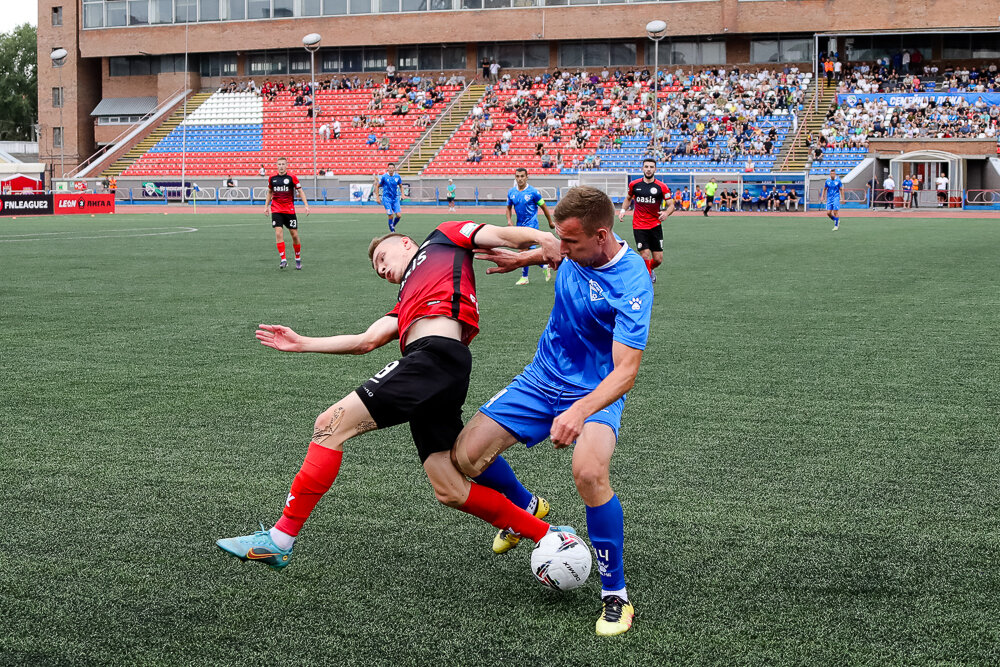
column 561, row 561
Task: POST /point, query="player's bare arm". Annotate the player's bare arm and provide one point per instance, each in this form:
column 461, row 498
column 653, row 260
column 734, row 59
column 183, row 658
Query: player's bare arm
column 492, row 236
column 548, row 214
column 302, row 196
column 381, row 332
column 510, row 220
column 267, row 202
column 566, row 427
column 667, row 210
column 510, row 260
column 624, row 208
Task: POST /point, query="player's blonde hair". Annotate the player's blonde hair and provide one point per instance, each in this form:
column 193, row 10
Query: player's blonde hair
column 589, row 205
column 378, row 239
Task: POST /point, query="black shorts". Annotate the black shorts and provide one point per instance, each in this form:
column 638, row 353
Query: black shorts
column 426, row 388
column 284, row 220
column 451, row 199
column 649, row 239
column 709, row 200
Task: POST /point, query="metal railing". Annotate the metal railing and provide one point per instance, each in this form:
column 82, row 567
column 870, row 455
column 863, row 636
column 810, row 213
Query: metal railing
column 433, row 131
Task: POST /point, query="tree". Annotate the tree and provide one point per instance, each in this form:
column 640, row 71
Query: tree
column 18, row 83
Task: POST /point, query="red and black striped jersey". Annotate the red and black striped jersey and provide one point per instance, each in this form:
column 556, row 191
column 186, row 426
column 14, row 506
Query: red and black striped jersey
column 440, row 281
column 283, row 193
column 648, row 199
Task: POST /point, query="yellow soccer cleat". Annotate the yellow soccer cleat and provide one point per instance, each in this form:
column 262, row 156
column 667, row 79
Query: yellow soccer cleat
column 506, row 540
column 616, row 616
column 522, row 281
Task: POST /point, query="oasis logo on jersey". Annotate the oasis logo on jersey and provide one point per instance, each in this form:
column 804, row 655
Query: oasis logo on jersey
column 647, row 200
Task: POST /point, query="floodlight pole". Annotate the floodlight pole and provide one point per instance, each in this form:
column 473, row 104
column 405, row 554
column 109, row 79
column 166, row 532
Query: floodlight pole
column 58, row 60
column 656, row 30
column 187, row 22
column 311, row 44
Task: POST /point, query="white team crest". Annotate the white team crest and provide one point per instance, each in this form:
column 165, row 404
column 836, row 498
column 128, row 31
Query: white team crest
column 527, row 197
column 652, row 191
column 596, row 293
column 287, row 181
column 636, row 303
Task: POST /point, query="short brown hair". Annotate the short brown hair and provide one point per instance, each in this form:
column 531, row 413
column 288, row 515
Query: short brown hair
column 377, row 240
column 589, row 205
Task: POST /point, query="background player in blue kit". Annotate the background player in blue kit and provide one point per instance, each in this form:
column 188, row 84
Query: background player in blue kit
column 574, row 389
column 389, row 190
column 525, row 201
column 831, row 189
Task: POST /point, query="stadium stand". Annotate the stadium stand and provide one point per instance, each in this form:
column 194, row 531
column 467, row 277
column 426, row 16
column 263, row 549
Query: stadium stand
column 234, row 133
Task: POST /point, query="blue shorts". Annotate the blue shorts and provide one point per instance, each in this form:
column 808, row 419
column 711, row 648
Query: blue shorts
column 530, row 223
column 526, row 408
column 391, row 206
column 832, row 205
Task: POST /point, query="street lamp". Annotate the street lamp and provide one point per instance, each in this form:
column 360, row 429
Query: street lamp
column 311, row 44
column 58, row 60
column 656, row 30
column 187, row 23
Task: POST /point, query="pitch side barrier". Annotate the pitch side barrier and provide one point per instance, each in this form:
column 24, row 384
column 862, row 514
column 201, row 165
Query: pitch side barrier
column 982, row 200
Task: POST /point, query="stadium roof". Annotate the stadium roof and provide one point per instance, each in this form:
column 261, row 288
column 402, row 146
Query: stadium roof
column 125, row 106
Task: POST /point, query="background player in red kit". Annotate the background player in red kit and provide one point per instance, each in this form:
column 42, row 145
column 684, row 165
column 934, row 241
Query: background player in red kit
column 280, row 204
column 435, row 318
column 649, row 195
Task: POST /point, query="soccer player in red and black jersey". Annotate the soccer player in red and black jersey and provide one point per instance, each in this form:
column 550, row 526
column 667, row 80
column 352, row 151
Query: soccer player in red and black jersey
column 649, row 195
column 435, row 318
column 280, row 205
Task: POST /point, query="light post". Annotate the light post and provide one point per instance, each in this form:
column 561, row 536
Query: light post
column 187, row 22
column 311, row 44
column 58, row 60
column 656, row 30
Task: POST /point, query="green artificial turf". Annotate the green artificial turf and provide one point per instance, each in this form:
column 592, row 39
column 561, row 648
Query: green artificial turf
column 808, row 463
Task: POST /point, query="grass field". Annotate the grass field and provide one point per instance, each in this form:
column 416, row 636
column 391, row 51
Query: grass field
column 809, row 463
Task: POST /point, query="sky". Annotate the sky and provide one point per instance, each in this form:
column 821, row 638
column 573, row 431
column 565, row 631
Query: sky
column 15, row 12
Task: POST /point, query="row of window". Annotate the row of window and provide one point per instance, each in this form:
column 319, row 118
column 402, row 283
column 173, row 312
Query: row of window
column 119, row 120
column 146, row 65
column 115, row 13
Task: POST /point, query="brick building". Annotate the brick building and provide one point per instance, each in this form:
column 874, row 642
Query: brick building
column 129, row 55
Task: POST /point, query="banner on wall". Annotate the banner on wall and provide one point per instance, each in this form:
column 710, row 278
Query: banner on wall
column 82, row 204
column 908, row 99
column 25, row 204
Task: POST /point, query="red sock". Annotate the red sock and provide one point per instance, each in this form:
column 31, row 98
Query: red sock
column 493, row 507
column 313, row 480
column 649, row 265
column 298, row 250
column 281, row 249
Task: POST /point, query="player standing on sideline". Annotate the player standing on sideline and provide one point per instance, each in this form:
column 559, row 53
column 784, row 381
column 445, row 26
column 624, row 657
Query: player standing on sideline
column 831, row 189
column 280, row 204
column 435, row 318
column 649, row 195
column 524, row 200
column 907, row 192
column 574, row 389
column 451, row 195
column 389, row 189
column 710, row 189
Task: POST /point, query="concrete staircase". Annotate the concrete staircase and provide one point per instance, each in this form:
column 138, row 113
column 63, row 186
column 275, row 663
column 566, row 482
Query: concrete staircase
column 420, row 155
column 165, row 128
column 794, row 157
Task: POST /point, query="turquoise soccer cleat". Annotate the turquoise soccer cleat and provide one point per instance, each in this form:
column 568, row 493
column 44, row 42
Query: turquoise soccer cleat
column 257, row 547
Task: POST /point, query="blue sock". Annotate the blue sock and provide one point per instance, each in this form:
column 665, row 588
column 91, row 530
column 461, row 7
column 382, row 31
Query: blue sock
column 524, row 272
column 396, row 222
column 606, row 527
column 500, row 477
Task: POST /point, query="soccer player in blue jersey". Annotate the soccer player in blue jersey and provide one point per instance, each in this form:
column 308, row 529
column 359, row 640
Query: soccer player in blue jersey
column 574, row 389
column 389, row 189
column 831, row 190
column 524, row 200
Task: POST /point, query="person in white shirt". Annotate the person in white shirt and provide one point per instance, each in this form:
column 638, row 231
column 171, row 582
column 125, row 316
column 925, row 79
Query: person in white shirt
column 336, row 129
column 942, row 189
column 889, row 192
column 324, row 131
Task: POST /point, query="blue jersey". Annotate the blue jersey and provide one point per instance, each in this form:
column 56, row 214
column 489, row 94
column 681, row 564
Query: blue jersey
column 907, row 185
column 525, row 203
column 594, row 307
column 392, row 186
column 833, row 186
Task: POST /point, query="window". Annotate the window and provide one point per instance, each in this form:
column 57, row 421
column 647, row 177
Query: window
column 264, row 64
column 57, row 97
column 597, row 54
column 57, row 16
column 162, row 11
column 334, row 7
column 431, row 57
column 185, row 11
column 283, row 8
column 361, row 6
column 57, row 137
column 214, row 64
column 93, row 15
column 407, row 58
column 961, row 47
column 414, row 5
column 453, row 57
column 686, row 52
column 375, row 59
column 299, row 63
column 312, row 7
column 783, row 50
column 138, row 12
column 235, row 10
column 258, row 9
column 119, row 120
column 885, row 46
column 516, row 54
column 208, row 10
column 117, row 13
column 118, row 66
column 388, row 5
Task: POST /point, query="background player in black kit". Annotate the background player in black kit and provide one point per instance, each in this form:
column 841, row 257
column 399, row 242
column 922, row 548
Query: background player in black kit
column 649, row 195
column 280, row 205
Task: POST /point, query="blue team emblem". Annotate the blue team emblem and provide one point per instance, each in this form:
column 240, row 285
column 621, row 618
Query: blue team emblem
column 636, row 303
column 596, row 293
